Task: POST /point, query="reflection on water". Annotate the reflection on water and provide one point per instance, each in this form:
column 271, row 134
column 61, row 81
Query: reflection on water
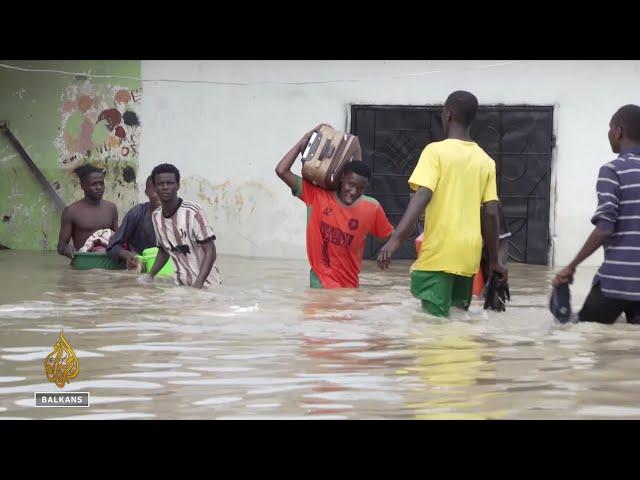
column 266, row 346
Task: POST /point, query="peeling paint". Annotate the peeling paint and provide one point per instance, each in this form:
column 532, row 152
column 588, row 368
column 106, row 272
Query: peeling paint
column 90, row 113
column 8, row 157
column 240, row 212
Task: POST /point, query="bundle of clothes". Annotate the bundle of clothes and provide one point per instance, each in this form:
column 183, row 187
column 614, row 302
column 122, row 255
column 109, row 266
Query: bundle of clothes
column 98, row 241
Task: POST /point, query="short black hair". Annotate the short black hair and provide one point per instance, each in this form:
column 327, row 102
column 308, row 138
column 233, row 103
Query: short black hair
column 463, row 105
column 359, row 168
column 149, row 181
column 165, row 168
column 83, row 171
column 628, row 117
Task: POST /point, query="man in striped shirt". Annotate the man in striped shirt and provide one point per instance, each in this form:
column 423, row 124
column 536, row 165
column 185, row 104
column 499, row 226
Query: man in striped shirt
column 616, row 286
column 182, row 233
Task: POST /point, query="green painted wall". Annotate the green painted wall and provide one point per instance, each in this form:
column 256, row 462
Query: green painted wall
column 64, row 121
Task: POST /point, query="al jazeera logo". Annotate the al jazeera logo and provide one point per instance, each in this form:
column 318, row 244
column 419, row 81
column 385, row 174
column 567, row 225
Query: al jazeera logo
column 61, row 366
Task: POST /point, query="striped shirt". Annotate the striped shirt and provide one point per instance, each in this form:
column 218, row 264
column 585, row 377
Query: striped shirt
column 182, row 236
column 618, row 211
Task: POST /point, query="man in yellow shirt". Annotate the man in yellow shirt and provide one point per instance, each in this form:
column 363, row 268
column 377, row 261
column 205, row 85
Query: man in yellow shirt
column 455, row 181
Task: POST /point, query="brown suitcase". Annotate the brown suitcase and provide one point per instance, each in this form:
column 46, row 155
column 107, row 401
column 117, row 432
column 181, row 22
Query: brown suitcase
column 326, row 155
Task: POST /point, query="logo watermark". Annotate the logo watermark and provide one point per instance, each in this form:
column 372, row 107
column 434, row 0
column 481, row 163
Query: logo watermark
column 70, row 399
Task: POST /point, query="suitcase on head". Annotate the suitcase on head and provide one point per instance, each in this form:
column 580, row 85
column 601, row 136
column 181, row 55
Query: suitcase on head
column 326, row 155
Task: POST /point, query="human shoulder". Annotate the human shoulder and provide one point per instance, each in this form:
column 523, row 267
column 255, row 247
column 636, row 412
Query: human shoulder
column 157, row 212
column 370, row 200
column 481, row 153
column 438, row 144
column 615, row 164
column 109, row 205
column 369, row 205
column 434, row 147
column 138, row 210
column 73, row 209
column 191, row 206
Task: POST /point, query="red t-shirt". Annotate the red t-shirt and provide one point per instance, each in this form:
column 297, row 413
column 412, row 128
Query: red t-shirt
column 336, row 233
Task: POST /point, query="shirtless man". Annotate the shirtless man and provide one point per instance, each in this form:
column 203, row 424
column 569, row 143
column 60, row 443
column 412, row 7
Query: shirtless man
column 84, row 217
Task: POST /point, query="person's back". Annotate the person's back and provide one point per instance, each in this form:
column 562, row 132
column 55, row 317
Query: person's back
column 457, row 172
column 616, row 285
column 453, row 179
column 619, row 211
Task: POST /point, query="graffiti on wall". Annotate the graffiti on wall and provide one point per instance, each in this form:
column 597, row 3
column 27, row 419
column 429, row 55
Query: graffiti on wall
column 99, row 124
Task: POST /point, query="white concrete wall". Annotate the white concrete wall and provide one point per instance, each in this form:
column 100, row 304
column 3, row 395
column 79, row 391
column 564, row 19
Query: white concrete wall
column 227, row 139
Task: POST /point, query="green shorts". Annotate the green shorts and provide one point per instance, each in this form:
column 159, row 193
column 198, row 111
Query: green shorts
column 314, row 281
column 439, row 290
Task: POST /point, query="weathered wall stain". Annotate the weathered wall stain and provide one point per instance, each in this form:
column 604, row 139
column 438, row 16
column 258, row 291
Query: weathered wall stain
column 240, row 212
column 97, row 122
column 123, row 96
column 128, row 174
column 130, row 118
column 104, row 139
column 112, row 116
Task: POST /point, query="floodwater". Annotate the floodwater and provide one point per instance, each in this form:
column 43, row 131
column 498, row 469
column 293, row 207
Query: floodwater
column 264, row 346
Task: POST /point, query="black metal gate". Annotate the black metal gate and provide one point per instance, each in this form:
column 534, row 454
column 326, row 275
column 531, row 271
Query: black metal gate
column 518, row 138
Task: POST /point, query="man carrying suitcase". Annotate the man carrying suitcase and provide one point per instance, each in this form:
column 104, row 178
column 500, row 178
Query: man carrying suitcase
column 337, row 221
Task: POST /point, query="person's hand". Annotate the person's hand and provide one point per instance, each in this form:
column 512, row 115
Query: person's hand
column 503, row 274
column 387, row 251
column 69, row 252
column 564, row 276
column 132, row 261
column 198, row 284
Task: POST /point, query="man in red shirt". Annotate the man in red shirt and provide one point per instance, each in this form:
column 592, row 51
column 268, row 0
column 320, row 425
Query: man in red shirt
column 337, row 221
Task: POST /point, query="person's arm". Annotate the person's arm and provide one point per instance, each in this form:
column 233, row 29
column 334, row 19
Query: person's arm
column 505, row 235
column 202, row 233
column 424, row 180
column 207, row 263
column 416, row 207
column 114, row 224
column 597, row 238
column 382, row 228
column 283, row 169
column 604, row 219
column 490, row 226
column 123, row 234
column 66, row 230
column 503, row 251
column 161, row 259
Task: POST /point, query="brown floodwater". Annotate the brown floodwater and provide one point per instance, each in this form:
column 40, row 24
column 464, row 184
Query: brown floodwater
column 264, row 345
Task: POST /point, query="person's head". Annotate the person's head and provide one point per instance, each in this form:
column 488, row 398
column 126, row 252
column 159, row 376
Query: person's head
column 150, row 192
column 624, row 127
column 166, row 180
column 460, row 108
column 91, row 181
column 355, row 179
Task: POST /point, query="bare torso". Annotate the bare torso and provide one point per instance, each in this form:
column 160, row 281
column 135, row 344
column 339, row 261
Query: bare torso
column 86, row 218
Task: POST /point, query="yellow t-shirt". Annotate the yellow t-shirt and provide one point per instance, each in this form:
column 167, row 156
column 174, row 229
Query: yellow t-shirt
column 462, row 177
